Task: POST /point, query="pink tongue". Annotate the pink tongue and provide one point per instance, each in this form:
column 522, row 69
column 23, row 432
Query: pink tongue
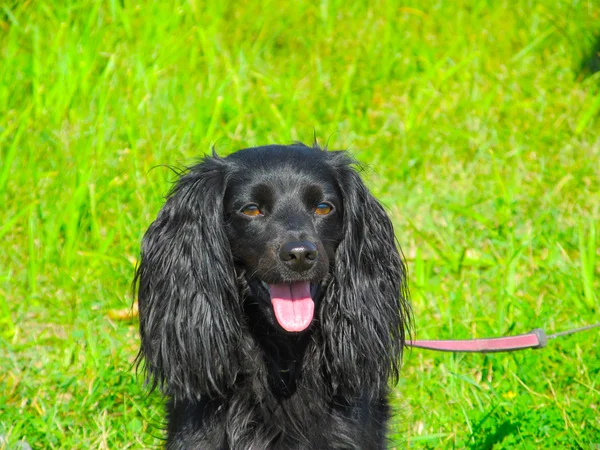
column 293, row 305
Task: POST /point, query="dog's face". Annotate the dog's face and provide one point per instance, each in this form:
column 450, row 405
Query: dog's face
column 282, row 233
column 283, row 215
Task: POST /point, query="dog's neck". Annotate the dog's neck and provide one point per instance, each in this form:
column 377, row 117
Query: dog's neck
column 282, row 354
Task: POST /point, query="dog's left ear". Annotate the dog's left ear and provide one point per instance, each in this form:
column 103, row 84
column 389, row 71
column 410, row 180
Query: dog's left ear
column 366, row 313
column 190, row 312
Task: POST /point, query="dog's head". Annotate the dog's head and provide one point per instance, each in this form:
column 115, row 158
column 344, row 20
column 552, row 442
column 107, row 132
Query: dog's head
column 284, row 222
column 290, row 229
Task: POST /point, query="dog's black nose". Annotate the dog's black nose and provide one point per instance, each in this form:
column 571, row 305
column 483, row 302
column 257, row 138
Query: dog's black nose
column 299, row 255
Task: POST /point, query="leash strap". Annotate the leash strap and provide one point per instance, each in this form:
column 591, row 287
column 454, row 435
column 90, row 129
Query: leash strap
column 536, row 338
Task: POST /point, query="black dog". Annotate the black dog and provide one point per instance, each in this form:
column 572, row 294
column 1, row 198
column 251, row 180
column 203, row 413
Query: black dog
column 273, row 304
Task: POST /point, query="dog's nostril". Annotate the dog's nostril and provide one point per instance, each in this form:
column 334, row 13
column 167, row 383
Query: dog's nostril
column 286, row 255
column 299, row 255
column 312, row 254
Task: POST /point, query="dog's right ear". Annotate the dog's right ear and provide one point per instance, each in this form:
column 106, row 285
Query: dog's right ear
column 190, row 312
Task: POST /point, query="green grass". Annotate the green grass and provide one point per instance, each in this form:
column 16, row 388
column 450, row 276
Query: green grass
column 483, row 138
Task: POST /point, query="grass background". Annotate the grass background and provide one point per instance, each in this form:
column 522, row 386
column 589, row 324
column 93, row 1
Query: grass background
column 479, row 120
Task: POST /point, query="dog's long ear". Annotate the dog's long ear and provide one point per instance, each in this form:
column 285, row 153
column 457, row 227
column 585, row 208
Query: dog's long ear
column 366, row 313
column 187, row 293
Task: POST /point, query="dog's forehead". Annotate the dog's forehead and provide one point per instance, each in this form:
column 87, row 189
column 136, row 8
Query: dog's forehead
column 284, row 168
column 279, row 156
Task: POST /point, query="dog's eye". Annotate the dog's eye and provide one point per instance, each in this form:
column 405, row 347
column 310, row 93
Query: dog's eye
column 323, row 209
column 251, row 210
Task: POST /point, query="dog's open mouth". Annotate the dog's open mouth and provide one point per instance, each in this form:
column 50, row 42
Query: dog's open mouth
column 293, row 305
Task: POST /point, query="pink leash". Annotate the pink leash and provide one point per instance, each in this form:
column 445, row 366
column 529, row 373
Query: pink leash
column 534, row 339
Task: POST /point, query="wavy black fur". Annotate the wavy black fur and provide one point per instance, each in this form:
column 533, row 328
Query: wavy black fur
column 235, row 379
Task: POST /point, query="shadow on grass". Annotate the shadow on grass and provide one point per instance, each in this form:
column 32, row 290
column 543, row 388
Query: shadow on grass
column 591, row 62
column 521, row 425
column 503, row 430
